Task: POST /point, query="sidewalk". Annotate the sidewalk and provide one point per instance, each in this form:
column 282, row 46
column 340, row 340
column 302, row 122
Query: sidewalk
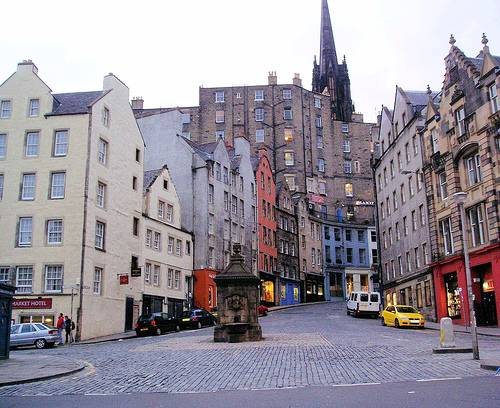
column 483, row 331
column 111, row 337
column 24, row 368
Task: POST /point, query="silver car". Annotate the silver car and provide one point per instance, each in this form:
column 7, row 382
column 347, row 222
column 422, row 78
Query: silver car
column 38, row 334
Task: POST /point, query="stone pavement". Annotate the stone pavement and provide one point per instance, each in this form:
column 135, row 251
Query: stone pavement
column 23, row 368
column 303, row 346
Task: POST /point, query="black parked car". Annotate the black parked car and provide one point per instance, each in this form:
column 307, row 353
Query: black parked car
column 197, row 318
column 156, row 323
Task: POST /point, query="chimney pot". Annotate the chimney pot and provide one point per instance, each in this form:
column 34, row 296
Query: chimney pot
column 137, row 102
column 272, row 78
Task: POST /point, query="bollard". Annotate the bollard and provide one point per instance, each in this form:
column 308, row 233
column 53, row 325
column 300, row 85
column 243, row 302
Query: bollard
column 446, row 334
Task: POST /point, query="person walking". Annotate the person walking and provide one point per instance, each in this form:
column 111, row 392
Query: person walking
column 60, row 327
column 68, row 326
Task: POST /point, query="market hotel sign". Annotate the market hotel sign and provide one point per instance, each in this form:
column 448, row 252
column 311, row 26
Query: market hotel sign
column 41, row 303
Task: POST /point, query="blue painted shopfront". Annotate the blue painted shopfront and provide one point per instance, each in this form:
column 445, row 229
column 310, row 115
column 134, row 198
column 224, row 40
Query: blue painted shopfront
column 289, row 292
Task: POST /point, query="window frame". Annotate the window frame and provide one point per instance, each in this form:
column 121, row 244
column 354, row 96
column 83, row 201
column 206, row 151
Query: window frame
column 56, row 278
column 51, row 230
column 52, row 195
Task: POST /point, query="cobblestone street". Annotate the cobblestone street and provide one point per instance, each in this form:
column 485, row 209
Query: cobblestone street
column 310, row 345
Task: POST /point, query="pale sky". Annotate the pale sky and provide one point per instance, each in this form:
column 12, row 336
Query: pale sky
column 164, row 50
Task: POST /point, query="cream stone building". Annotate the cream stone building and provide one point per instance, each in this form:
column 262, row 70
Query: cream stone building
column 167, row 263
column 70, row 203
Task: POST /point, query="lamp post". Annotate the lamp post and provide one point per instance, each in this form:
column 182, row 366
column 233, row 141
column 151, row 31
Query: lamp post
column 459, row 200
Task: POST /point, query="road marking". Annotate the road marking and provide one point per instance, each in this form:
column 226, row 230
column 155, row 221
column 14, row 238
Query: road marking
column 355, row 385
column 439, row 379
column 95, row 393
column 411, row 392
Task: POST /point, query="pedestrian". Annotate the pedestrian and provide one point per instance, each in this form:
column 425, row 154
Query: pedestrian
column 68, row 326
column 60, row 327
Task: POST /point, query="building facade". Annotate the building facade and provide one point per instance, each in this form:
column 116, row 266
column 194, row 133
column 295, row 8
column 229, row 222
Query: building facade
column 461, row 154
column 266, row 220
column 71, row 198
column 402, row 204
column 167, row 257
column 287, row 241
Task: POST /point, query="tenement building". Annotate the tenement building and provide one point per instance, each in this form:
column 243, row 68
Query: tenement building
column 168, row 249
column 402, row 204
column 315, row 140
column 266, row 221
column 287, row 242
column 70, row 203
column 216, row 187
column 461, row 164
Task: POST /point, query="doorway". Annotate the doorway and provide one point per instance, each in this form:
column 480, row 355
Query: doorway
column 129, row 313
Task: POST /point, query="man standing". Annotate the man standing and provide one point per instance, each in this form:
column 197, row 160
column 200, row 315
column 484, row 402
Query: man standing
column 60, row 327
column 67, row 328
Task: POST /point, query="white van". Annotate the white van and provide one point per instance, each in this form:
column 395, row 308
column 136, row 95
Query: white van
column 363, row 303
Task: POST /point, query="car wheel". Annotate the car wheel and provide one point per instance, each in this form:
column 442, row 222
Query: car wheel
column 348, row 313
column 396, row 324
column 40, row 344
column 158, row 331
column 177, row 328
column 382, row 321
column 198, row 325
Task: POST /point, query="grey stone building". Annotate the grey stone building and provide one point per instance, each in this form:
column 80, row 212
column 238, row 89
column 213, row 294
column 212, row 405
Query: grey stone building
column 402, row 206
column 215, row 184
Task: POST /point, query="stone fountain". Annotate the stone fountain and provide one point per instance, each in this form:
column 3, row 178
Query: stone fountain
column 237, row 301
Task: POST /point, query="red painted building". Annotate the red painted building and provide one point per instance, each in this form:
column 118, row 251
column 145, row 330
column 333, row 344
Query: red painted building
column 205, row 289
column 451, row 286
column 266, row 219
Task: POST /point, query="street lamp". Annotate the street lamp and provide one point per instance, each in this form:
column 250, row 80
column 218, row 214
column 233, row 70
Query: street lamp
column 460, row 200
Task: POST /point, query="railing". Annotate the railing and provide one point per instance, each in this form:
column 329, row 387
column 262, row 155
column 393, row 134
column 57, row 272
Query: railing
column 343, row 219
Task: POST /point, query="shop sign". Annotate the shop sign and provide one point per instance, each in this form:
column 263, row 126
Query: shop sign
column 364, row 203
column 123, row 279
column 135, row 272
column 42, row 303
column 317, row 198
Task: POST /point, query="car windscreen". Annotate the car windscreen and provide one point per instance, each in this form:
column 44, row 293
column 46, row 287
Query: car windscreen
column 145, row 317
column 363, row 297
column 406, row 309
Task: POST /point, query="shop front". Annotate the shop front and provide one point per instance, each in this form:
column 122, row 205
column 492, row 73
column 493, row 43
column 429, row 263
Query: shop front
column 33, row 310
column 205, row 289
column 315, row 288
column 268, row 289
column 358, row 279
column 289, row 291
column 152, row 304
column 175, row 307
column 451, row 287
column 335, row 283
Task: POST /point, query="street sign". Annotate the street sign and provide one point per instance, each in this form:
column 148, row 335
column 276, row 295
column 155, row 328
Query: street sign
column 135, row 272
column 123, row 279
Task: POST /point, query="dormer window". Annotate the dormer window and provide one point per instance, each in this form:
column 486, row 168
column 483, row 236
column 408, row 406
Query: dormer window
column 460, row 121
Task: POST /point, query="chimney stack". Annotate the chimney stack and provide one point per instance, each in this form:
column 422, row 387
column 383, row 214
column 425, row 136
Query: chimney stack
column 296, row 80
column 27, row 65
column 272, row 78
column 137, row 102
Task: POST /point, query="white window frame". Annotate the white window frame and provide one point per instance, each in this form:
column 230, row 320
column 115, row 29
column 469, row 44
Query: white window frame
column 28, row 190
column 345, row 128
column 219, row 97
column 157, row 240
column 473, row 165
column 460, row 120
column 57, row 185
column 220, row 116
column 147, row 273
column 97, row 282
column 156, row 275
column 161, row 209
column 177, row 279
column 493, row 94
column 32, row 144
column 317, row 102
column 149, row 238
column 349, row 192
column 321, row 165
column 102, row 154
column 259, row 114
column 259, row 95
column 101, row 194
column 3, row 145
column 445, row 226
column 60, row 143
column 260, row 135
column 287, row 93
column 1, row 186
column 5, row 109
column 100, row 235
column 34, row 108
column 347, row 166
column 24, row 279
column 289, row 157
column 287, row 114
column 434, row 140
column 105, row 117
column 170, row 213
column 25, row 234
column 346, row 146
column 478, row 223
column 54, row 275
column 443, row 185
column 55, row 229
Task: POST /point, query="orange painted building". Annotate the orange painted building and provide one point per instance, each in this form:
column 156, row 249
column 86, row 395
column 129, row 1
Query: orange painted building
column 205, row 290
column 266, row 219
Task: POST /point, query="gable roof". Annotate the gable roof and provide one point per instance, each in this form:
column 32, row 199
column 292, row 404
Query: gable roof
column 74, row 103
column 144, row 113
column 205, row 150
column 150, row 177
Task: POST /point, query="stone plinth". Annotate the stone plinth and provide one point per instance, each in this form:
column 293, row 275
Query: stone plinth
column 237, row 301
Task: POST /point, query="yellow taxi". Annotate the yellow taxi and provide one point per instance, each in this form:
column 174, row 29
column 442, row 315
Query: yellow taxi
column 401, row 316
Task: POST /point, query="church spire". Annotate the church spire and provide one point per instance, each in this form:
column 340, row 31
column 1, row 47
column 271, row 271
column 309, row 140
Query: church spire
column 329, row 75
column 327, row 54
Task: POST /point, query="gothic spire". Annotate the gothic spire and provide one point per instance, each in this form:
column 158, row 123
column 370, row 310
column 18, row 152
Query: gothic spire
column 328, row 53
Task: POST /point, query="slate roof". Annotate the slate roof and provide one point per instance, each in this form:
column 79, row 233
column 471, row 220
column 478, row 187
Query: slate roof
column 419, row 99
column 255, row 160
column 144, row 113
column 149, row 178
column 74, row 102
column 235, row 162
column 205, row 150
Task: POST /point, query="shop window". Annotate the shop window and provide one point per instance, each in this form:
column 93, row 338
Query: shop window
column 453, row 292
column 267, row 294
column 428, row 295
column 419, row 295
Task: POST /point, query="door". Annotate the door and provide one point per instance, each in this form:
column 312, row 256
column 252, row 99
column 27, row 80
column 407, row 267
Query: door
column 489, row 307
column 26, row 335
column 129, row 313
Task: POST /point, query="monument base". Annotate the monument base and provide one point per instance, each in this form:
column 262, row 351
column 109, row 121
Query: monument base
column 237, row 333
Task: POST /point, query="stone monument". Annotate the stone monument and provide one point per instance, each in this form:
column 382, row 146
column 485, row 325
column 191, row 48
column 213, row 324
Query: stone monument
column 237, row 301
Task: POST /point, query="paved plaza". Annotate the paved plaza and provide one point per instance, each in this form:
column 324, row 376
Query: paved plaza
column 314, row 345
